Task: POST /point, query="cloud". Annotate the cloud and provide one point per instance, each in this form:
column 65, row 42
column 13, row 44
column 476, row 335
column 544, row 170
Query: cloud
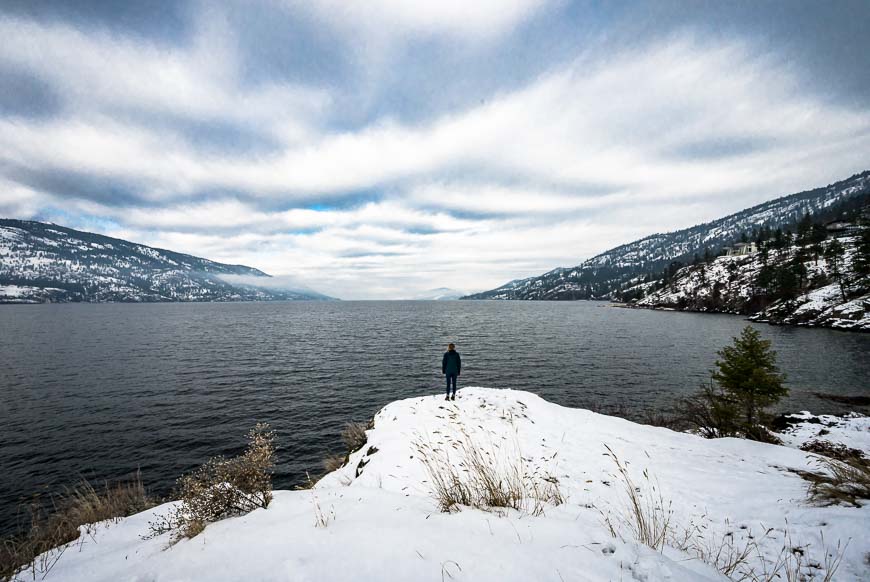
column 172, row 144
column 286, row 283
column 478, row 20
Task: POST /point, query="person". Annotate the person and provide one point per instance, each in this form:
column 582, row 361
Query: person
column 451, row 366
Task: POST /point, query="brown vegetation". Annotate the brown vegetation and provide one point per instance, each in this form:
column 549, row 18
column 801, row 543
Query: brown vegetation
column 50, row 529
column 479, row 479
column 222, row 488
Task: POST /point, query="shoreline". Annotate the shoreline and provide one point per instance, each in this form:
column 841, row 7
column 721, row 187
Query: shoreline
column 754, row 317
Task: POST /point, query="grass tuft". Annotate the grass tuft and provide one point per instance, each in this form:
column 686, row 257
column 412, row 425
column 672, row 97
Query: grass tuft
column 354, row 436
column 842, row 481
column 77, row 510
column 480, row 477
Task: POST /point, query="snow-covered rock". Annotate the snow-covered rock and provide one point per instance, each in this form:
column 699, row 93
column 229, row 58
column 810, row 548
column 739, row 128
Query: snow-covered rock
column 851, row 430
column 375, row 518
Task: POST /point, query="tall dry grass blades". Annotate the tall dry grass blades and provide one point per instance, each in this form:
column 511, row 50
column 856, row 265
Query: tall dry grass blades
column 51, row 528
column 647, row 515
column 843, row 481
column 485, row 477
column 649, row 518
column 223, row 488
column 354, row 436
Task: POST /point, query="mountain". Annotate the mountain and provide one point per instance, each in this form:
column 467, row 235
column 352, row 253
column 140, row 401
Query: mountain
column 43, row 262
column 799, row 284
column 605, row 276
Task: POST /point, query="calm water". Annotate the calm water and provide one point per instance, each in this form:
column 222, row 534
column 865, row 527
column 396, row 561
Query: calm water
column 101, row 390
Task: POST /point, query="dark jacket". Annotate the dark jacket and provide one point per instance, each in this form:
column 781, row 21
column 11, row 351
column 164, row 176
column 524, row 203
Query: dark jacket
column 451, row 363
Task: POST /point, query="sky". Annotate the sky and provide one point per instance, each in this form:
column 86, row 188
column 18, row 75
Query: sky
column 375, row 150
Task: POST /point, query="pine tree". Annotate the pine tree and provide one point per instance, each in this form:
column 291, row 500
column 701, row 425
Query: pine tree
column 861, row 262
column 747, row 373
column 804, row 228
column 834, row 257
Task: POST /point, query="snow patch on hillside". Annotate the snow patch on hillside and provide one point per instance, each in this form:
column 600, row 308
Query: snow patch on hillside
column 728, row 285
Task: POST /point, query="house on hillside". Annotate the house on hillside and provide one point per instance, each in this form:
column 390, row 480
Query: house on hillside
column 740, row 249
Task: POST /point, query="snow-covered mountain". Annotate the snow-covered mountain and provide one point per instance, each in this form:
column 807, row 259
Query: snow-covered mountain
column 827, row 295
column 42, row 262
column 605, row 275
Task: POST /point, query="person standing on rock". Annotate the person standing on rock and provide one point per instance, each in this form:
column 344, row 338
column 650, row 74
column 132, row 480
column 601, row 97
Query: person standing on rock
column 451, row 366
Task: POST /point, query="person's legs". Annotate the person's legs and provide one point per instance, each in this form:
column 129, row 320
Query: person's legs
column 448, row 385
column 452, row 379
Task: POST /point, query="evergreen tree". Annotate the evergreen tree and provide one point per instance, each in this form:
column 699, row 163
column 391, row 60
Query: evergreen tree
column 786, row 281
column 778, row 241
column 861, row 261
column 748, row 374
column 708, row 256
column 834, row 257
column 798, row 266
column 804, row 228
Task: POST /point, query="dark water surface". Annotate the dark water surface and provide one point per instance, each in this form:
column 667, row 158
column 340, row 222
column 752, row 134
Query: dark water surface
column 101, row 390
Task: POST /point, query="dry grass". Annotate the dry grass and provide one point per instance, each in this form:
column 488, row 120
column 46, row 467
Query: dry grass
column 646, row 513
column 222, row 488
column 354, row 436
column 842, row 481
column 51, row 529
column 794, row 563
column 648, row 517
column 334, row 462
column 481, row 478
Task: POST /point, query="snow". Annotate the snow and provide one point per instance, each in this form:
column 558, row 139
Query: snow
column 11, row 233
column 727, row 285
column 852, row 430
column 13, row 290
column 379, row 521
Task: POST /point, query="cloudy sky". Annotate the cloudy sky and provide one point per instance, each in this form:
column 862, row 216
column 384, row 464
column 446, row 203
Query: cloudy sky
column 378, row 149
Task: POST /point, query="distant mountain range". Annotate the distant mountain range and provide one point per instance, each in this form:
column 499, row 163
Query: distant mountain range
column 439, row 294
column 606, row 275
column 42, row 262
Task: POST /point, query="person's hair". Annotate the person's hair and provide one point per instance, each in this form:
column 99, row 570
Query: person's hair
column 450, row 346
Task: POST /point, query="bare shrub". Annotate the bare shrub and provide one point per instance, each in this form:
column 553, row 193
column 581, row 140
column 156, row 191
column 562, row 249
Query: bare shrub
column 658, row 418
column 709, row 412
column 51, row 528
column 483, row 479
column 334, row 462
column 354, row 436
column 837, row 451
column 222, row 488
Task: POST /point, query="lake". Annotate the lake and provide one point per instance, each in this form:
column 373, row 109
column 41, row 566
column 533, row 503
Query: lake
column 99, row 390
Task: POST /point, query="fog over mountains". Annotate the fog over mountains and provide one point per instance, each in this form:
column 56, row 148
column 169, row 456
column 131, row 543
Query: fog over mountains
column 42, row 262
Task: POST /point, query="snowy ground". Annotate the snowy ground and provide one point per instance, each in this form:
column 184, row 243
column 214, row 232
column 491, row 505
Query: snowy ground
column 851, row 430
column 375, row 518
